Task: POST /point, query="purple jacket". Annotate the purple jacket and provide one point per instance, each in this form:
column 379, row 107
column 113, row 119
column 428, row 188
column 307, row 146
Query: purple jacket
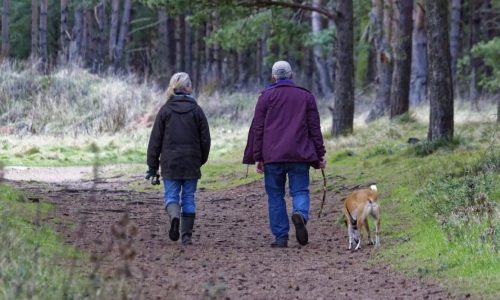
column 285, row 127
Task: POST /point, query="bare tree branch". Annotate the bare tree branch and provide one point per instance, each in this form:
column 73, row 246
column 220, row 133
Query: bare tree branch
column 268, row 3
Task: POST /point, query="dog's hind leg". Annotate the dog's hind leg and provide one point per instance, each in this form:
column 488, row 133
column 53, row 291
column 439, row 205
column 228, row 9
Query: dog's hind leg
column 377, row 231
column 370, row 241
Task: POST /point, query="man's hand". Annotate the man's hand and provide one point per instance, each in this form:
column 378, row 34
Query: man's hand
column 322, row 163
column 259, row 167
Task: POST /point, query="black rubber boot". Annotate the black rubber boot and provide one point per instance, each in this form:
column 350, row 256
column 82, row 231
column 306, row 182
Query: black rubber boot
column 187, row 223
column 174, row 211
column 300, row 228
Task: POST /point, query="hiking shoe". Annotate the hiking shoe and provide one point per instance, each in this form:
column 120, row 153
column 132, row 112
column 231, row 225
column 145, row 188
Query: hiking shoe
column 173, row 233
column 279, row 243
column 300, row 228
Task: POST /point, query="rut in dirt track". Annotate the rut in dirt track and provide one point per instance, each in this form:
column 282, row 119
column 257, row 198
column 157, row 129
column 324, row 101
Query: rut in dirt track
column 231, row 257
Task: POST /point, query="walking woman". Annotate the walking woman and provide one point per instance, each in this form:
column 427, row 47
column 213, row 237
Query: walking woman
column 179, row 143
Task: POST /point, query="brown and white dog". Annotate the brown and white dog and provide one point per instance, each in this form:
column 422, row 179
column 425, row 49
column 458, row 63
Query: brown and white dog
column 357, row 207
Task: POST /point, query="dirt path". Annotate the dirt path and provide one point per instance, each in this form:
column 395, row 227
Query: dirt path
column 231, row 257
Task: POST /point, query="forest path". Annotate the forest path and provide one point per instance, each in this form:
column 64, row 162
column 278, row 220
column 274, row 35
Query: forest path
column 231, row 257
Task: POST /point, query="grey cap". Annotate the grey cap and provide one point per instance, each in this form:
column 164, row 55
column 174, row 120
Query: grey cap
column 282, row 70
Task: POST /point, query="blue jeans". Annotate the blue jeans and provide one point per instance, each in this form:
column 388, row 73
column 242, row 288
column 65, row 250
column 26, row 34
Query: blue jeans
column 298, row 183
column 173, row 193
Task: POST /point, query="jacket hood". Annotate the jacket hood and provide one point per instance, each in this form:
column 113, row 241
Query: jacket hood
column 181, row 103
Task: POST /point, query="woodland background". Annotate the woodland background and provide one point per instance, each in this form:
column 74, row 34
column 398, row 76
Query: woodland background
column 409, row 97
column 401, row 53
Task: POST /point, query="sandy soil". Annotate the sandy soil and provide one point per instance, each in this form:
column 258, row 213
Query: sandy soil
column 230, row 258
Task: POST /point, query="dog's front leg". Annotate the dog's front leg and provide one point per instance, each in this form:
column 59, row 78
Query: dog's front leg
column 370, row 240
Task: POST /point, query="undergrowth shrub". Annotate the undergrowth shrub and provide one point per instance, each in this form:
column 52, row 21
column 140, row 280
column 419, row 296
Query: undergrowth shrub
column 428, row 147
column 74, row 101
column 71, row 100
column 466, row 205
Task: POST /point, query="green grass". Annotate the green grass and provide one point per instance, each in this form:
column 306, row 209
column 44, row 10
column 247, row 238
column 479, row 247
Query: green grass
column 28, row 267
column 35, row 263
column 421, row 190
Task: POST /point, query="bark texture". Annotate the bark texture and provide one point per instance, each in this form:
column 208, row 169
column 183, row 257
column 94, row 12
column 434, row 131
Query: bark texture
column 34, row 28
column 381, row 15
column 418, row 85
column 440, row 89
column 455, row 32
column 400, row 87
column 122, row 36
column 343, row 108
column 475, row 62
column 113, row 32
column 181, row 44
column 100, row 17
column 324, row 83
column 163, row 49
column 5, row 28
column 75, row 52
column 43, row 37
column 64, row 35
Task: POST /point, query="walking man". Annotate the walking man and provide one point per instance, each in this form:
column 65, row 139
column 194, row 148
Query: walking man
column 285, row 139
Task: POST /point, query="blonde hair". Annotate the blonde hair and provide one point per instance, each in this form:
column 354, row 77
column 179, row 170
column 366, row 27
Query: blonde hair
column 178, row 82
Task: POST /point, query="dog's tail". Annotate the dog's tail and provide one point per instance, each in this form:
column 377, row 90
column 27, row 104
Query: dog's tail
column 373, row 187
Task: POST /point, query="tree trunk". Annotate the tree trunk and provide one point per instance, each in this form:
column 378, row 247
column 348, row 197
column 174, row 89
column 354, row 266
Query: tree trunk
column 418, row 86
column 75, row 52
column 217, row 51
column 5, row 29
column 475, row 31
column 498, row 109
column 64, row 35
column 113, row 33
column 34, row 28
column 308, row 68
column 371, row 68
column 171, row 55
column 200, row 56
column 189, row 49
column 343, row 109
column 331, row 60
column 456, row 7
column 181, row 44
column 381, row 16
column 43, row 36
column 400, row 87
column 87, row 37
column 243, row 68
column 122, row 36
column 258, row 61
column 209, row 56
column 319, row 60
column 440, row 91
column 100, row 15
column 163, row 47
